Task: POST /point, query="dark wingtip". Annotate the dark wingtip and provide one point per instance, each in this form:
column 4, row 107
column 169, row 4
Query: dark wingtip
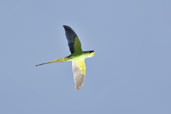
column 37, row 65
column 66, row 27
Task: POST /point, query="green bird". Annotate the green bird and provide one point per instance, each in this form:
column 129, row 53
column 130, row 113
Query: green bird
column 77, row 57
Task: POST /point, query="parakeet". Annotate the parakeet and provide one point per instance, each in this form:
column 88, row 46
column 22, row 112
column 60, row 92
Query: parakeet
column 77, row 57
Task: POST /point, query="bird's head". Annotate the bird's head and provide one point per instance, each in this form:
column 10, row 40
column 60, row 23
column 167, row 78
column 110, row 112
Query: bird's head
column 91, row 53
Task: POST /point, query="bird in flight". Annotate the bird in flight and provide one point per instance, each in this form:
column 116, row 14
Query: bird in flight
column 77, row 57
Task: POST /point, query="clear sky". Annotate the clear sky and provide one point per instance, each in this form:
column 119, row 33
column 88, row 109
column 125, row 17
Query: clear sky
column 130, row 73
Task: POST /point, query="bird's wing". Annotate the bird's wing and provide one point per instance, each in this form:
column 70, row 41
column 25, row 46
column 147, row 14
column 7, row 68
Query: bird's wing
column 73, row 40
column 79, row 71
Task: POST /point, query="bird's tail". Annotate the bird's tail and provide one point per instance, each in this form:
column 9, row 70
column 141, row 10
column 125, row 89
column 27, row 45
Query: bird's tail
column 54, row 61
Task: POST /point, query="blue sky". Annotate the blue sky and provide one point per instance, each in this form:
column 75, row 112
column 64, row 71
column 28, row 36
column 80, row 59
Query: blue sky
column 130, row 73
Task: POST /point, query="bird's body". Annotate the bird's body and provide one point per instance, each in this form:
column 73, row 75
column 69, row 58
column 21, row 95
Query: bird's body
column 80, row 56
column 77, row 57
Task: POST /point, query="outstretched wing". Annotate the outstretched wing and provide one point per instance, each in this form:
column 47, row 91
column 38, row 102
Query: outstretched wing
column 73, row 40
column 79, row 71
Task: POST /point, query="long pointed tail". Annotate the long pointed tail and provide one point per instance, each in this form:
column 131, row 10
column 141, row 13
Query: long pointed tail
column 54, row 61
